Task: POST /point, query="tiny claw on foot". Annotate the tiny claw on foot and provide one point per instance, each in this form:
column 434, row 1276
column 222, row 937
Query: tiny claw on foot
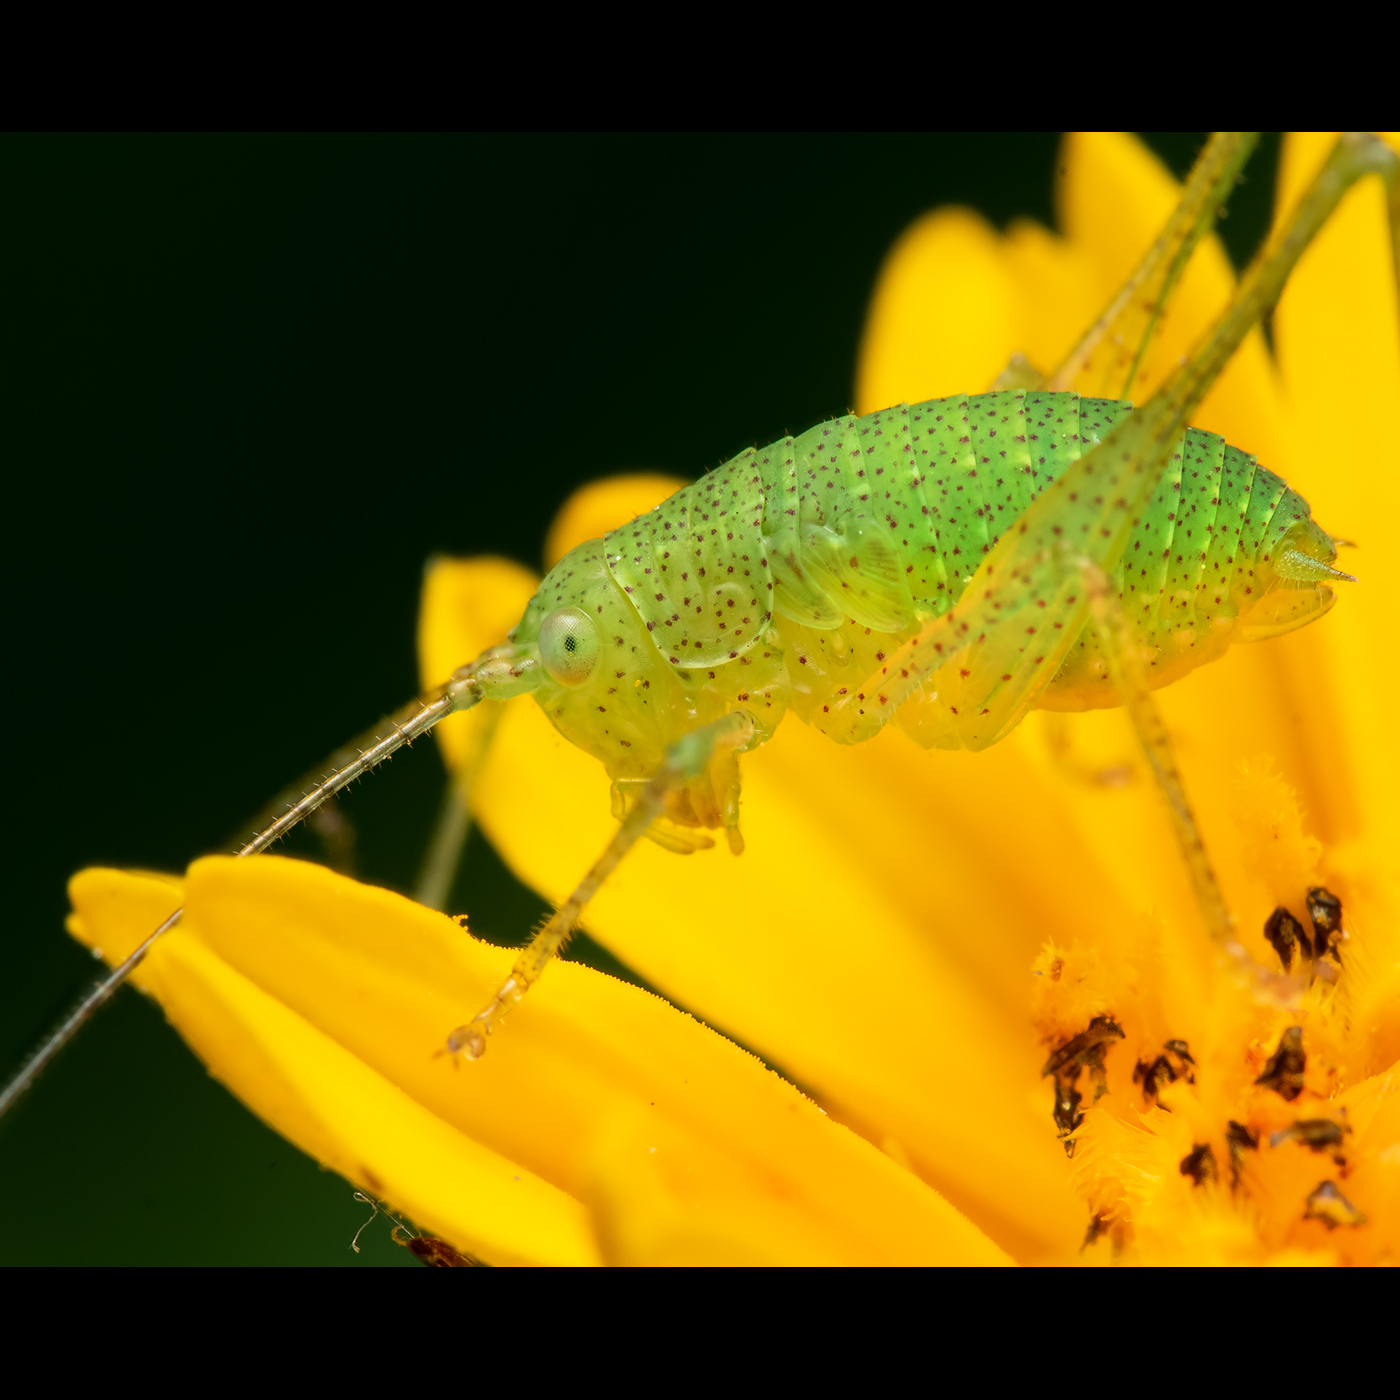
column 468, row 1040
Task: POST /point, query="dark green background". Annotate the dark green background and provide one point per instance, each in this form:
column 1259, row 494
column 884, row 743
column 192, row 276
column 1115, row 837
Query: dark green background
column 250, row 384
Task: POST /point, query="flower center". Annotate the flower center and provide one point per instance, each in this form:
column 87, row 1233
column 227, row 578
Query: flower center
column 1219, row 1128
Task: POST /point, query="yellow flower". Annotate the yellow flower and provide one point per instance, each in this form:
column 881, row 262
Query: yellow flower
column 910, row 936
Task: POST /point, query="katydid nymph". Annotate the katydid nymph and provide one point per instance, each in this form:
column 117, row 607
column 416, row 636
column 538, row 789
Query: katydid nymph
column 948, row 565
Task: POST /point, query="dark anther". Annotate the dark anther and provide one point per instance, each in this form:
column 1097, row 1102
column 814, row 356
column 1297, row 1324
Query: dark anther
column 1285, row 933
column 1175, row 1064
column 1067, row 1100
column 1325, row 911
column 1320, row 1134
column 1199, row 1164
column 1237, row 1135
column 1153, row 1076
column 1102, row 1030
column 1328, row 1205
column 1098, row 1227
column 1086, row 1050
column 1317, row 1133
column 1239, row 1139
column 1284, row 1071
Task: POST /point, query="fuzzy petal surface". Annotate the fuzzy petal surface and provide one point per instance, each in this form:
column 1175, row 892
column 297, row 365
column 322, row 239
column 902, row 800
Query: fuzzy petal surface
column 324, row 1004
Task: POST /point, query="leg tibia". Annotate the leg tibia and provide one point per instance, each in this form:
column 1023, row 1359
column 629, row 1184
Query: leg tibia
column 1126, row 670
column 686, row 760
column 969, row 676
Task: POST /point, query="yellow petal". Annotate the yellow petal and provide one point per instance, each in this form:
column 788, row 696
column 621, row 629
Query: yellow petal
column 663, row 1195
column 1374, row 1183
column 942, row 316
column 954, row 299
column 1338, row 336
column 321, row 1096
column 325, row 1005
column 1112, row 200
column 1059, row 292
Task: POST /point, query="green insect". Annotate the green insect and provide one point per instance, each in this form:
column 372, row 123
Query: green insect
column 946, row 565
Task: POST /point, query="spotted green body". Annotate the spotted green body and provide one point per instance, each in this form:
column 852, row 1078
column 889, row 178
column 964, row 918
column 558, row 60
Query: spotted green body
column 791, row 576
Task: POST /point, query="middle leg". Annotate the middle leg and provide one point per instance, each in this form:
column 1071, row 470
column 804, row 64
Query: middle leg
column 1124, row 657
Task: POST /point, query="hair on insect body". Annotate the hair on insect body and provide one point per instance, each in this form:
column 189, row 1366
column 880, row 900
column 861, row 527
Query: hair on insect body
column 946, row 566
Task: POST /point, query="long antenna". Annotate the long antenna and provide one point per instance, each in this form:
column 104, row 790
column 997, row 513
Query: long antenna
column 405, row 725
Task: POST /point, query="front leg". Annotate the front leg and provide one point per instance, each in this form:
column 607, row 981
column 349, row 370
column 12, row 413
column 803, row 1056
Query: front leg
column 685, row 760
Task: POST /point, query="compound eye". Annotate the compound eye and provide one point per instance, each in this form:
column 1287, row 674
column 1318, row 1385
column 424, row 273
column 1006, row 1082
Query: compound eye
column 569, row 645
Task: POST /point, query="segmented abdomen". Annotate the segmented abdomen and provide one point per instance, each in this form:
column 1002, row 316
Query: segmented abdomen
column 921, row 493
column 881, row 518
column 862, row 526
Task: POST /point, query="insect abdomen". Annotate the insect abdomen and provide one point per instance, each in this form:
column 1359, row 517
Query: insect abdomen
column 861, row 527
column 878, row 521
column 1198, row 569
column 884, row 518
